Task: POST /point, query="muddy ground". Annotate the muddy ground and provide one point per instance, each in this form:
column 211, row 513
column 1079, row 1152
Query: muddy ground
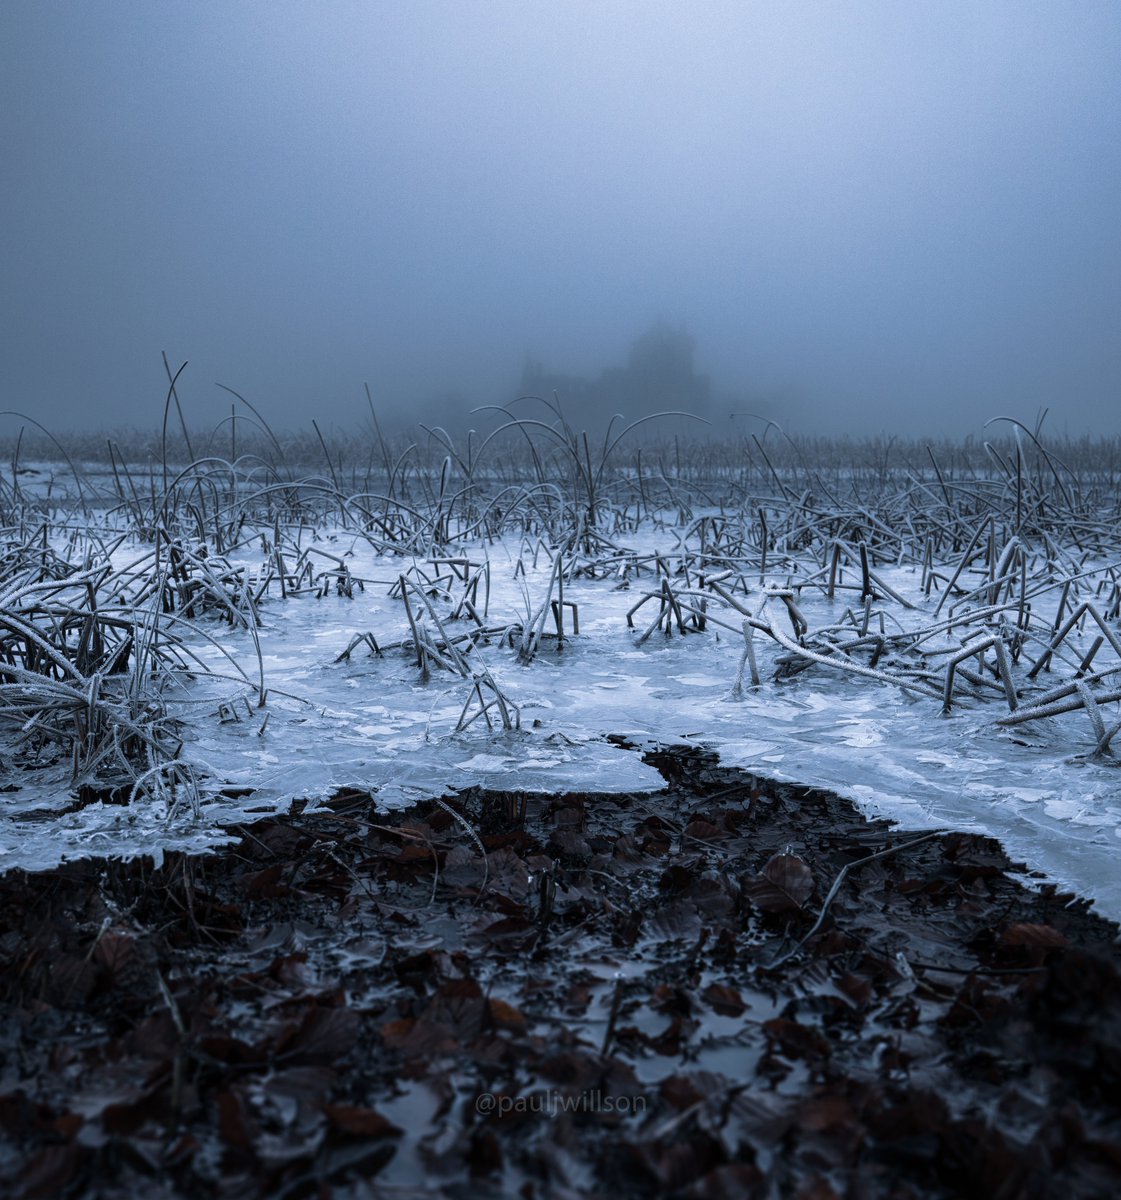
column 728, row 989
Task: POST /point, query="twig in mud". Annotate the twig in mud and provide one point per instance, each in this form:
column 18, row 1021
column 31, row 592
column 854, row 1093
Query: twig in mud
column 616, row 1004
column 475, row 837
column 860, row 862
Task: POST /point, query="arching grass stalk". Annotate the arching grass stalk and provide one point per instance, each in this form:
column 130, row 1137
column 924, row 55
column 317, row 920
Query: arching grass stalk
column 60, row 448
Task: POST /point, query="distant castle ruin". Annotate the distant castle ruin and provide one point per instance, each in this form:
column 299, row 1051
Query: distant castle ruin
column 659, row 376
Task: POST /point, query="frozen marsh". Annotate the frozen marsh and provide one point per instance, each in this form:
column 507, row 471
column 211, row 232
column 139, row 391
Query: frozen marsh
column 933, row 634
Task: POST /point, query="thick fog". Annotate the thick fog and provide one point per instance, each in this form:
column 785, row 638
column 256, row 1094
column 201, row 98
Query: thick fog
column 853, row 215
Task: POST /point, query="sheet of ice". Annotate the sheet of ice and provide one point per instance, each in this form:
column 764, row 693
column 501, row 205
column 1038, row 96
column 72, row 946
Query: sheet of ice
column 371, row 722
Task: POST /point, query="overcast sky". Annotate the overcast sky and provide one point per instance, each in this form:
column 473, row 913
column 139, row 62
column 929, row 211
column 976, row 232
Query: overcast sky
column 899, row 216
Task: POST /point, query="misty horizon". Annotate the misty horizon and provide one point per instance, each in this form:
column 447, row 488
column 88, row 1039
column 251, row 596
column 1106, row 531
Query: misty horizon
column 868, row 217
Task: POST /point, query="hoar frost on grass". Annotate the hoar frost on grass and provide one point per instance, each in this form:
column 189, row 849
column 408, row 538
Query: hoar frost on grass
column 943, row 649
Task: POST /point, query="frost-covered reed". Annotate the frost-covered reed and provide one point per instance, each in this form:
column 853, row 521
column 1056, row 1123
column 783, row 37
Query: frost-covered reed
column 984, row 574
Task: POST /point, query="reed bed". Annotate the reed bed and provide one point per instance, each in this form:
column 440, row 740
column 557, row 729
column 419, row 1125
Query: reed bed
column 987, row 574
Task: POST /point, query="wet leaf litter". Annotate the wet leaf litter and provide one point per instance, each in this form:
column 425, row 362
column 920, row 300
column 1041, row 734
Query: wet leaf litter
column 729, row 987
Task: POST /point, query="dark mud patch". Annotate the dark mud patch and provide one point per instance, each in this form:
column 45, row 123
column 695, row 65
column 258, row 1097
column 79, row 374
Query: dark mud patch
column 651, row 995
